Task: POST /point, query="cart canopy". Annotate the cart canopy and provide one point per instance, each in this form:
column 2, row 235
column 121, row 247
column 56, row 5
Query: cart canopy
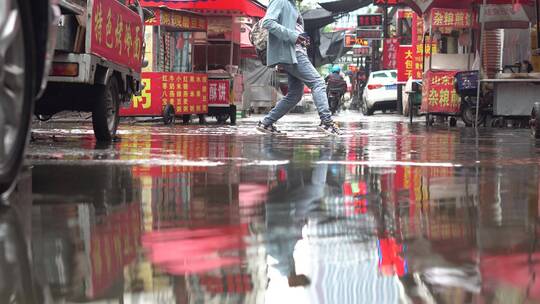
column 248, row 8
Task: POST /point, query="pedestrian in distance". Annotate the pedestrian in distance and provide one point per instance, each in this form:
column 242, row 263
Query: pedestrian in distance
column 287, row 47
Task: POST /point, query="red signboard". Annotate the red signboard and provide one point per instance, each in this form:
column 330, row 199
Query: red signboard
column 448, row 19
column 370, row 20
column 114, row 244
column 352, row 41
column 439, row 94
column 219, row 92
column 179, row 20
column 389, row 60
column 116, row 34
column 187, row 92
column 418, row 45
column 405, row 60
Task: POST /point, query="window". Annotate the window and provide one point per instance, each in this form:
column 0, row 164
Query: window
column 380, row 75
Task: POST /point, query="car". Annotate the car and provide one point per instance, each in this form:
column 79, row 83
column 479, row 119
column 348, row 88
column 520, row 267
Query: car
column 380, row 92
column 27, row 28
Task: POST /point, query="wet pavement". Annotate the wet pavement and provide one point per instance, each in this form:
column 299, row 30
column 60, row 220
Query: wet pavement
column 388, row 213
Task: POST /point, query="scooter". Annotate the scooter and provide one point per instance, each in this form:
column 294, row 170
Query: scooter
column 334, row 99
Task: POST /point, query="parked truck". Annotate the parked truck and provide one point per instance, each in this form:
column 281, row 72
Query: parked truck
column 97, row 62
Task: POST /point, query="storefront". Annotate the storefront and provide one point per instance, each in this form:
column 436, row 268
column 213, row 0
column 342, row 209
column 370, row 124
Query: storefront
column 172, row 86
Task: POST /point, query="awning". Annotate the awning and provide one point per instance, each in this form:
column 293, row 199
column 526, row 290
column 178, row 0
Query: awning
column 249, row 8
column 345, row 6
column 421, row 6
column 317, row 18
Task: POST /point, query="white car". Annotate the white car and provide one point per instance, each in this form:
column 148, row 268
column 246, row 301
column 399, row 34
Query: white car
column 380, row 92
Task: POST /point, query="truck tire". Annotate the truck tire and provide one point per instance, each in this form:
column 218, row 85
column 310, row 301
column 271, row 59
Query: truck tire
column 232, row 114
column 105, row 116
column 17, row 89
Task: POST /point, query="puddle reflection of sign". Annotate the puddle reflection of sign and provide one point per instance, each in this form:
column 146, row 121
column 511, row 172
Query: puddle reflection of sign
column 114, row 244
column 218, row 92
column 391, row 46
column 439, row 94
column 369, row 34
column 116, row 34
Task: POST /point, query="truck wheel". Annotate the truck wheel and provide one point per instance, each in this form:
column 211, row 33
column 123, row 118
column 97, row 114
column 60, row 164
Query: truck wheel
column 186, row 119
column 535, row 123
column 168, row 114
column 17, row 74
column 105, row 116
column 232, row 114
column 222, row 118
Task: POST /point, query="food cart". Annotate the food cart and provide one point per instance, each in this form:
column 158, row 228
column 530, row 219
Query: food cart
column 515, row 19
column 219, row 56
column 172, row 87
column 450, row 26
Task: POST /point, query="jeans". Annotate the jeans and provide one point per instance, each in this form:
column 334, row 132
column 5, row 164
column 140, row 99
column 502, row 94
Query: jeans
column 298, row 75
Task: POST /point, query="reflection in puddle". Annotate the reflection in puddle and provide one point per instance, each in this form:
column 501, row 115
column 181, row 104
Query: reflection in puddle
column 408, row 218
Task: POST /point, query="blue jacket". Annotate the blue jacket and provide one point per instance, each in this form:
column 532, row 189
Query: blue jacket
column 280, row 20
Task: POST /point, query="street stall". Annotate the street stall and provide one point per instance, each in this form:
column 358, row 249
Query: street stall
column 219, row 55
column 171, row 86
column 450, row 27
column 513, row 19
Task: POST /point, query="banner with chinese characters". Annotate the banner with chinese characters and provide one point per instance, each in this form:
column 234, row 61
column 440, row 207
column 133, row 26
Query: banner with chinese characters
column 405, row 60
column 187, row 92
column 219, row 92
column 116, row 34
column 418, row 45
column 446, row 19
column 390, row 49
column 439, row 94
column 179, row 20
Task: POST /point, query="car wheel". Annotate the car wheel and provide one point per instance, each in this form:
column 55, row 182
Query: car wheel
column 186, row 119
column 168, row 114
column 105, row 116
column 17, row 74
column 365, row 108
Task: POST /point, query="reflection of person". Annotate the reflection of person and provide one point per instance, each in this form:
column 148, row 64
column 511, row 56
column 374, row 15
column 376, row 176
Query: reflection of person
column 287, row 48
column 288, row 208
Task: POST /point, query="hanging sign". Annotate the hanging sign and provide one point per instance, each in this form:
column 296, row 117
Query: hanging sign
column 439, row 94
column 448, row 19
column 369, row 34
column 390, row 49
column 352, row 41
column 370, row 20
column 405, row 59
column 418, row 47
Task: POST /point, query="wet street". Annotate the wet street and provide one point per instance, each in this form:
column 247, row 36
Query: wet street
column 388, row 213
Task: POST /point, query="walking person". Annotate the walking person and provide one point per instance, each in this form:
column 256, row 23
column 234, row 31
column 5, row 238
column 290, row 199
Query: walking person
column 287, row 48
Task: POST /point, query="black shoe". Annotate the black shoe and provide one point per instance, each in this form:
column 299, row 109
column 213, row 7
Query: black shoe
column 330, row 128
column 270, row 129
